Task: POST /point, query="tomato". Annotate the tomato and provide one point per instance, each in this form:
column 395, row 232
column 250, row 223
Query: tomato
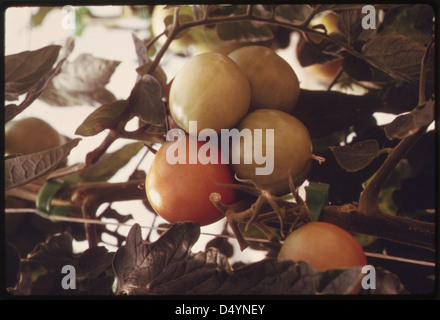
column 180, row 192
column 291, row 150
column 210, row 89
column 30, row 135
column 274, row 84
column 324, row 246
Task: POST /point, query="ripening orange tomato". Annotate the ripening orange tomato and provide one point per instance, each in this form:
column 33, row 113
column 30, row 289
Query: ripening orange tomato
column 323, row 246
column 180, row 191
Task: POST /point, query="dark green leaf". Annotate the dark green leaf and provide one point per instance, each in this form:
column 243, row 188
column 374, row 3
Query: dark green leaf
column 109, row 164
column 24, row 169
column 409, row 123
column 12, row 110
column 141, row 50
column 395, row 54
column 46, row 193
column 350, row 24
column 102, row 118
column 293, row 12
column 318, row 53
column 41, row 271
column 94, row 261
column 357, row 68
column 414, row 21
column 23, row 70
column 145, row 101
column 316, row 198
column 357, row 156
column 168, row 267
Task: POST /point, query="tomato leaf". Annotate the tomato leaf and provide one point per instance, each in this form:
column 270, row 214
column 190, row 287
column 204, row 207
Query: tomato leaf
column 24, row 69
column 102, row 118
column 145, row 101
column 41, row 271
column 406, row 124
column 12, row 110
column 357, row 156
column 24, row 169
column 168, row 267
column 293, row 12
column 81, row 82
column 395, row 54
column 316, row 198
column 350, row 24
column 110, row 163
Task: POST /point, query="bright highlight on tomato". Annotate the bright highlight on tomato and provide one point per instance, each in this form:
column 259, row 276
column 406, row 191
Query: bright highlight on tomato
column 324, row 246
column 180, row 192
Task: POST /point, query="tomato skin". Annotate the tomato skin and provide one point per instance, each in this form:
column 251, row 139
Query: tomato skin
column 274, row 84
column 180, row 192
column 292, row 150
column 324, row 246
column 211, row 89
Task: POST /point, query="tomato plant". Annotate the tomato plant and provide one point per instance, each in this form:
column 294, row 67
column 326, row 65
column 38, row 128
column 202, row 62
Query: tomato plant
column 284, row 221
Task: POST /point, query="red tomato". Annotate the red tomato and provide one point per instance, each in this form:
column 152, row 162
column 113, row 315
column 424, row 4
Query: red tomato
column 180, row 192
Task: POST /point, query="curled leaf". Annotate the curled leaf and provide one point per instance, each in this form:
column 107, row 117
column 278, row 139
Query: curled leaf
column 357, row 156
column 102, row 118
column 24, row 69
column 145, row 101
column 24, row 169
column 316, row 198
column 81, row 82
column 409, row 123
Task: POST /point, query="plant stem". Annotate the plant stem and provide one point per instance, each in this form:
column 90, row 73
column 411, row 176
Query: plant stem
column 249, row 16
column 398, row 229
column 369, row 199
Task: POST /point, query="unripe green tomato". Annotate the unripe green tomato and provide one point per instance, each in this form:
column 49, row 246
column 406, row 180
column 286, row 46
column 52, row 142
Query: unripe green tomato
column 274, row 84
column 31, row 135
column 323, row 246
column 210, row 89
column 292, row 150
